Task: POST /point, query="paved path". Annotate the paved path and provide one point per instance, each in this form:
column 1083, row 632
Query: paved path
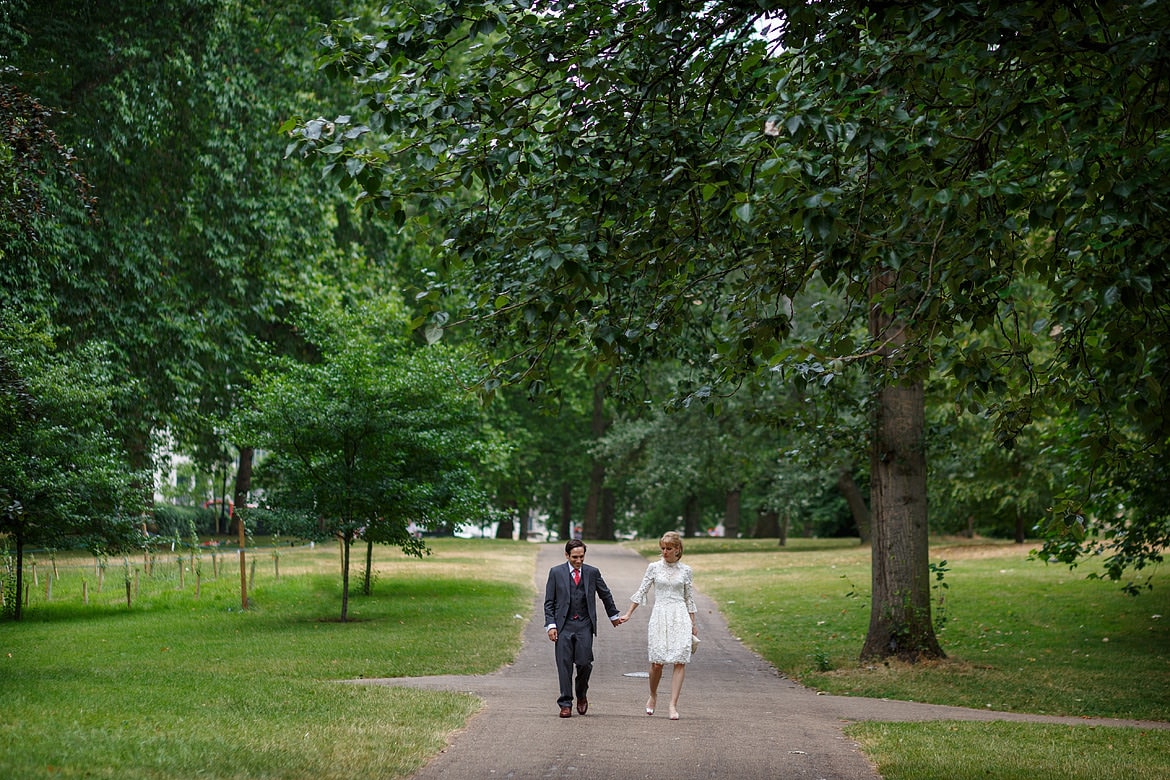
column 740, row 719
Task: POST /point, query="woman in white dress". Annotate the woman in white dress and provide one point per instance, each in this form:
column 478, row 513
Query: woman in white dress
column 672, row 620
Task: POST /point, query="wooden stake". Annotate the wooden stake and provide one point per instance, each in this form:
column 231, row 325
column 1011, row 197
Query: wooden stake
column 243, row 567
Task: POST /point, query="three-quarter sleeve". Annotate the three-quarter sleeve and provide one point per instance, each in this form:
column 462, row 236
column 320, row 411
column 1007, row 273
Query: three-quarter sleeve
column 639, row 596
column 689, row 589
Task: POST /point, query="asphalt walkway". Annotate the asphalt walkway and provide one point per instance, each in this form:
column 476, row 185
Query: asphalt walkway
column 740, row 719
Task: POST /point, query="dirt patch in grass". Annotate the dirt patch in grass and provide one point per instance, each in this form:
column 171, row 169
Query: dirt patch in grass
column 962, row 548
column 895, row 668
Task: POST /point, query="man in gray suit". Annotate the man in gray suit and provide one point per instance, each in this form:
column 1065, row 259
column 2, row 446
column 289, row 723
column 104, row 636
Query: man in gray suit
column 570, row 614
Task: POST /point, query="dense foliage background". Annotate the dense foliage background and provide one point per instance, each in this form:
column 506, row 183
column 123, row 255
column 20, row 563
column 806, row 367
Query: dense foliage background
column 688, row 253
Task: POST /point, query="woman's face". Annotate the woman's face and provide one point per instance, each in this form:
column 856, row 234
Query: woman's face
column 670, row 553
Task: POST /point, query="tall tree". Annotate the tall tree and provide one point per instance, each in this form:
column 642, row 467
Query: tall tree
column 375, row 436
column 63, row 479
column 660, row 178
column 208, row 243
column 551, row 454
column 662, row 457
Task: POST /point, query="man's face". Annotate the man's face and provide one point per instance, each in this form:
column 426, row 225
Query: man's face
column 576, row 557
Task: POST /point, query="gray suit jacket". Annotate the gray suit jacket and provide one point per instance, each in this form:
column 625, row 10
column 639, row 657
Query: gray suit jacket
column 556, row 595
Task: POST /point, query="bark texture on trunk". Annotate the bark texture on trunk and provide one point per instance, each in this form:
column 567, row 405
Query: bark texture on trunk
column 900, row 623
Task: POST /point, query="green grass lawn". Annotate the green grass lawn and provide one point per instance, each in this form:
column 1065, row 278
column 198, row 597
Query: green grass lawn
column 178, row 686
column 1013, row 751
column 1020, row 636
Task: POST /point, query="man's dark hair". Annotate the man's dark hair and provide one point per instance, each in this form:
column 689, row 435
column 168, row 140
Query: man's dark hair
column 573, row 544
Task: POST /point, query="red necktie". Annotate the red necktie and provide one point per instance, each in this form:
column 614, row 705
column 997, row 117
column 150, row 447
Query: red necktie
column 576, row 576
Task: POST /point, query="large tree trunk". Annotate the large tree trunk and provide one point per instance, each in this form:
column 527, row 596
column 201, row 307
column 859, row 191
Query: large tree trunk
column 591, row 523
column 731, row 511
column 848, row 487
column 899, row 622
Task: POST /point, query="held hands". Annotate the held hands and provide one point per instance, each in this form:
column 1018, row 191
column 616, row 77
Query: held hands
column 617, row 621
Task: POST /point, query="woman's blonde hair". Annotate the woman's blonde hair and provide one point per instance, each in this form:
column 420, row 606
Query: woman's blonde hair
column 672, row 539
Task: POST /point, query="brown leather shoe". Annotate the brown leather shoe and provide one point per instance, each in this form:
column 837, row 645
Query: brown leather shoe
column 582, row 706
column 566, row 712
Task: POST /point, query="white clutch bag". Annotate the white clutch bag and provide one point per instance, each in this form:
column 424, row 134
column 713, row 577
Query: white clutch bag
column 694, row 644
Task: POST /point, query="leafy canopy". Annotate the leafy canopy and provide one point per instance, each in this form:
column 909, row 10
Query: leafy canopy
column 375, row 436
column 665, row 178
column 63, row 479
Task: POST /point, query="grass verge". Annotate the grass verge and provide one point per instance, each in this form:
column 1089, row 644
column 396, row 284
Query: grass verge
column 1020, row 636
column 1013, row 751
column 179, row 687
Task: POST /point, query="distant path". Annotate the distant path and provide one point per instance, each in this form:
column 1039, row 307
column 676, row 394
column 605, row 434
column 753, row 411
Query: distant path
column 740, row 718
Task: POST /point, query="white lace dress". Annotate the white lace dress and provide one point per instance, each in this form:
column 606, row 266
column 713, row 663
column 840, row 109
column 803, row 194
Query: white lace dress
column 669, row 629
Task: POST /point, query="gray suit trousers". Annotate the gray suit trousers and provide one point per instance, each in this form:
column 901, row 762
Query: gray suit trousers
column 574, row 649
